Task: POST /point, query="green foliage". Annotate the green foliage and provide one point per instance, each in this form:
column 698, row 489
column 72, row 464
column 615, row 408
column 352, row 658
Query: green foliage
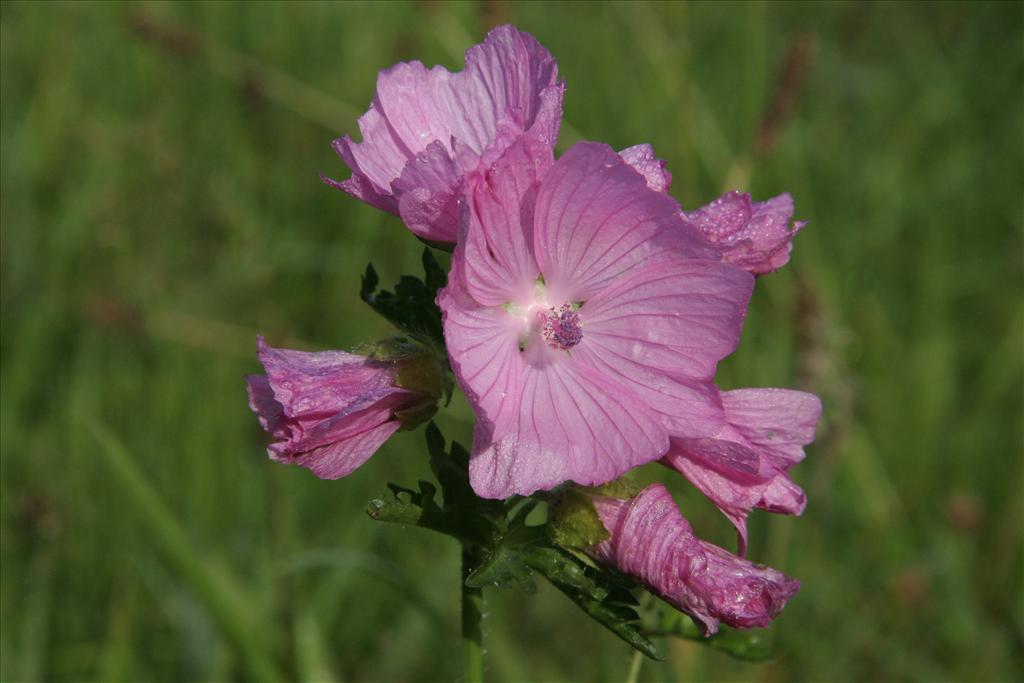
column 411, row 306
column 509, row 551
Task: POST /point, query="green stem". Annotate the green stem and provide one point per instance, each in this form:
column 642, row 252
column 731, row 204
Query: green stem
column 472, row 616
column 634, row 667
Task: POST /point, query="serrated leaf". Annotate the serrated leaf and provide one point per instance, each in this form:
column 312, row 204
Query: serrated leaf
column 433, row 274
column 750, row 646
column 461, row 514
column 410, row 307
column 451, row 467
column 503, row 568
column 600, row 594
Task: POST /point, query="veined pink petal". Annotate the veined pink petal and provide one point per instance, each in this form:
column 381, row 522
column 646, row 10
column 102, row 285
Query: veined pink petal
column 509, row 81
column 570, row 425
column 653, row 169
column 497, row 259
column 342, row 457
column 678, row 316
column 778, row 422
column 650, row 540
column 483, row 349
column 745, row 466
column 595, row 219
column 733, row 487
column 328, row 411
column 772, row 424
column 428, row 190
column 661, row 330
column 755, row 236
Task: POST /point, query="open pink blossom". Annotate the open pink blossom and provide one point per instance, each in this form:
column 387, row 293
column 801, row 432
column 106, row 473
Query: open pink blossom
column 583, row 320
column 756, row 236
column 745, row 465
column 330, row 411
column 650, row 540
column 426, row 129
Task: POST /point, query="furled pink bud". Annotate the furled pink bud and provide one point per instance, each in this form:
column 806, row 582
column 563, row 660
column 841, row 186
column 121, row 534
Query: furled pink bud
column 651, row 541
column 756, row 236
column 330, row 411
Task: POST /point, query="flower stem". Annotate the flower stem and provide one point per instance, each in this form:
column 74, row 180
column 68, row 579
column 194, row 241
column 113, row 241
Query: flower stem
column 634, row 667
column 472, row 633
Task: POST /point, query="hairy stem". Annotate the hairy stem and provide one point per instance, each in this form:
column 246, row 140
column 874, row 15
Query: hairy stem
column 472, row 633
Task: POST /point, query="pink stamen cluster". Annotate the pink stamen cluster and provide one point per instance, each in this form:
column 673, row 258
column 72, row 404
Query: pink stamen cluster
column 561, row 327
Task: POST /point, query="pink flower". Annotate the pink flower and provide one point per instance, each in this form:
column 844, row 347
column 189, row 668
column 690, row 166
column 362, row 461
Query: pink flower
column 756, row 236
column 427, row 129
column 651, row 541
column 744, row 466
column 583, row 320
column 330, row 411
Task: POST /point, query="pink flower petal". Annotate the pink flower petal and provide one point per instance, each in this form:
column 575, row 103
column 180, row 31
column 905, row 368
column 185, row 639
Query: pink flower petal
column 483, row 349
column 510, row 81
column 494, row 248
column 778, row 422
column 677, row 316
column 595, row 219
column 571, row 425
column 344, row 456
column 428, row 190
column 651, row 541
column 735, row 490
column 661, row 330
column 653, row 169
column 754, row 236
column 744, row 467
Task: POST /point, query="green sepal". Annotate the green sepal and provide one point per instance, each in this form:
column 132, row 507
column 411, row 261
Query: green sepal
column 622, row 488
column 575, row 522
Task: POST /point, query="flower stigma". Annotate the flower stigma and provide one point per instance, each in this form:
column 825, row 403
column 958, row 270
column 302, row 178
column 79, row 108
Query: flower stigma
column 560, row 327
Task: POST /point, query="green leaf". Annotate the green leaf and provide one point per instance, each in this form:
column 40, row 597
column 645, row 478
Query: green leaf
column 411, row 306
column 601, row 594
column 747, row 645
column 485, row 517
column 503, row 568
column 461, row 514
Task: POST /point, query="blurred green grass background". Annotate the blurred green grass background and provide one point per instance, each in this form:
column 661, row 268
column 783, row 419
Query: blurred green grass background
column 160, row 206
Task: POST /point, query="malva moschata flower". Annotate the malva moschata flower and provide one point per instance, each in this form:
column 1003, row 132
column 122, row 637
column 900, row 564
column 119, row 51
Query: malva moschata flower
column 583, row 319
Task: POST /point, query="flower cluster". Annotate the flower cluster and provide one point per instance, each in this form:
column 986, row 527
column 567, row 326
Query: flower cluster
column 584, row 315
